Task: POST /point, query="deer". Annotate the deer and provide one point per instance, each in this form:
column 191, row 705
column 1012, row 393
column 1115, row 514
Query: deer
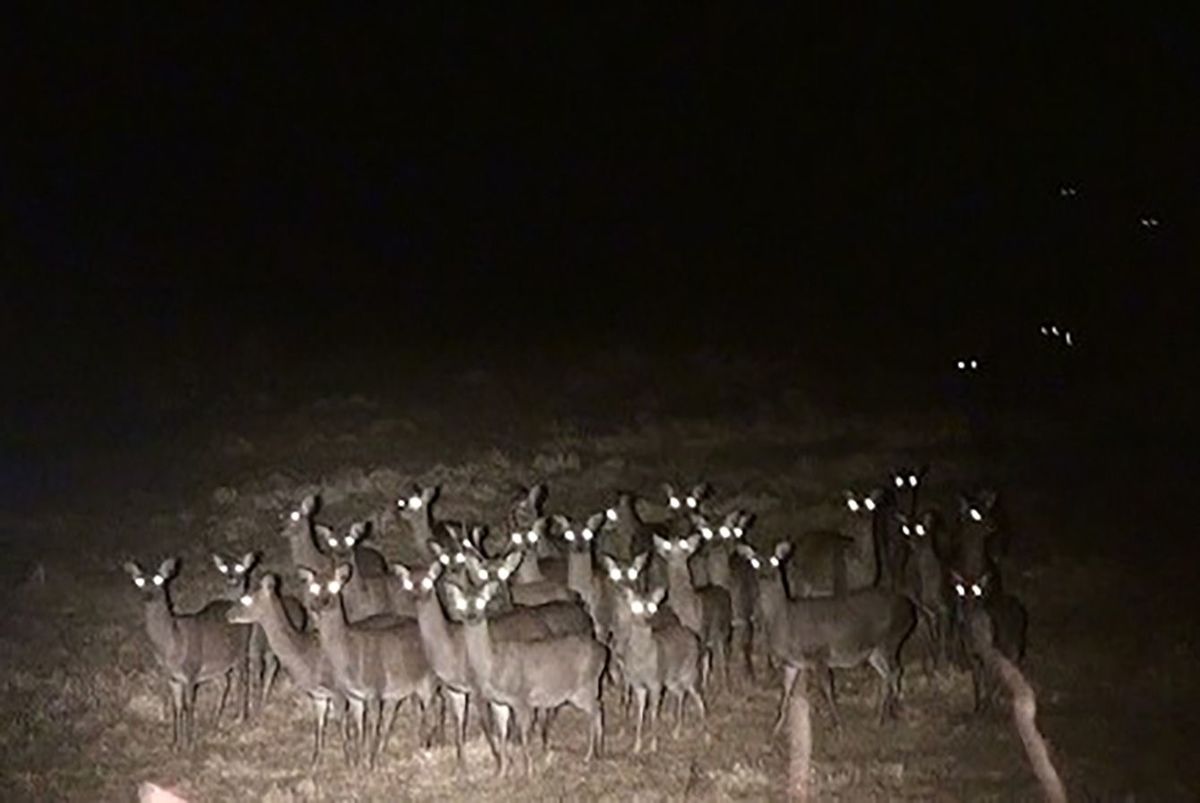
column 658, row 659
column 734, row 576
column 529, row 530
column 192, row 648
column 304, row 535
column 826, row 633
column 924, row 581
column 517, row 677
column 299, row 651
column 482, row 569
column 1005, row 627
column 372, row 589
column 630, row 535
column 264, row 664
column 706, row 611
column 416, row 510
column 376, row 663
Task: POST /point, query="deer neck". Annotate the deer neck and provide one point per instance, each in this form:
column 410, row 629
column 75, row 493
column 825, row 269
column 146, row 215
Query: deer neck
column 334, row 636
column 480, row 656
column 294, row 649
column 529, row 570
column 302, row 540
column 580, row 576
column 681, row 594
column 160, row 623
column 641, row 646
column 437, row 632
column 717, row 563
column 772, row 600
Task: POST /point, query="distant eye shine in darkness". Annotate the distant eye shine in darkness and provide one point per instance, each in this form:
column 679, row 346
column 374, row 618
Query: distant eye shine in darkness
column 1067, row 191
column 1149, row 222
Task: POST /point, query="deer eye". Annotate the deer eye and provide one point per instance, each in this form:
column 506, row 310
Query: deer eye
column 920, row 529
column 706, row 533
column 905, row 529
column 691, row 502
column 775, row 562
column 667, row 546
column 869, row 503
column 532, row 536
column 587, row 534
column 444, row 559
column 960, row 589
column 460, row 557
column 295, row 516
column 637, row 607
column 684, row 546
column 239, row 569
column 460, row 604
column 976, row 515
column 977, row 589
column 610, row 514
column 482, row 574
column 332, row 542
column 348, row 541
column 852, row 504
column 755, row 562
column 912, row 480
column 479, row 603
column 414, row 503
column 427, row 584
column 614, row 575
column 899, row 482
column 974, row 364
column 314, row 588
column 246, row 599
column 140, row 582
column 738, row 532
column 652, row 607
column 503, row 574
column 334, row 586
column 962, row 365
column 569, row 535
column 725, row 532
column 159, row 579
column 517, row 538
column 408, row 584
column 632, row 573
column 674, row 503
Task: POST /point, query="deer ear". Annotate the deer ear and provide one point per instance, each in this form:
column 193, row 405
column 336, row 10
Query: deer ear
column 310, row 505
column 639, row 562
column 168, row 568
column 269, row 583
column 657, row 593
column 434, row 547
column 343, row 573
column 132, row 569
column 607, row 562
column 701, row 490
column 401, row 571
column 430, row 493
column 661, row 545
column 358, row 530
column 693, row 542
column 783, row 549
column 455, row 595
column 220, row 563
column 248, row 560
column 745, row 551
column 513, row 559
column 324, row 533
column 306, row 575
column 561, row 521
column 537, row 496
column 595, row 522
column 987, row 498
column 669, row 490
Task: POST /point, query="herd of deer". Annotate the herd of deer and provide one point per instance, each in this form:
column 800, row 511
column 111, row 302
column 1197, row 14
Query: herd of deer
column 553, row 610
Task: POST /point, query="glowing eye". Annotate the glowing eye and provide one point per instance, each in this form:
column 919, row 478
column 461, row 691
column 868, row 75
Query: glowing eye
column 755, row 562
column 516, row 538
column 332, row 542
column 427, row 584
column 139, row 581
column 482, row 574
column 905, row 529
column 246, row 600
column 674, row 503
column 852, row 504
column 314, row 588
column 461, row 604
column 348, row 541
column 334, row 587
column 632, row 574
column 899, row 482
column 637, row 607
column 652, row 608
column 775, row 561
column 962, row 365
column 158, row 580
column 976, row 515
column 532, row 536
column 667, row 546
column 239, row 569
column 976, row 589
column 587, row 534
column 960, row 589
column 295, row 515
column 912, row 480
column 503, row 574
column 1045, row 331
column 610, row 514
column 920, row 529
column 691, row 502
column 725, row 532
column 460, row 558
column 414, row 503
column 738, row 532
column 1067, row 338
column 614, row 575
column 869, row 503
column 1054, row 330
column 479, row 603
column 706, row 533
column 444, row 559
column 569, row 535
column 974, row 364
column 408, row 584
column 684, row 546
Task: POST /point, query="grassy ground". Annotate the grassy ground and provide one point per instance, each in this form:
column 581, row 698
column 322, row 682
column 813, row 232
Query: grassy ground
column 1112, row 647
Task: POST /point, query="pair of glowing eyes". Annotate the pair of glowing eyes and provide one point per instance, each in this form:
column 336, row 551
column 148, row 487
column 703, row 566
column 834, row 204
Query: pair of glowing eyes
column 638, row 607
column 681, row 545
column 975, row 514
column 726, row 532
column 616, row 575
column 444, row 559
column 463, row 604
column 237, row 568
column 912, row 481
column 675, row 504
column 963, row 365
column 1053, row 331
column 426, row 584
column 961, row 590
column 757, row 564
column 521, row 538
column 412, row 503
column 484, row 575
column 867, row 503
column 348, row 541
column 918, row 529
column 333, row 587
column 586, row 535
column 157, row 579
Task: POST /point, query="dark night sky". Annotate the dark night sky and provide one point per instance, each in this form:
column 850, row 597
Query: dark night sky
column 822, row 174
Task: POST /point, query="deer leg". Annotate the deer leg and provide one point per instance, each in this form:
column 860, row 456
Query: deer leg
column 524, row 718
column 789, row 678
column 548, row 715
column 694, row 693
column 500, row 717
column 391, row 709
column 176, row 700
column 270, row 670
column 655, row 701
column 226, row 681
column 458, row 705
column 639, row 712
column 320, row 716
column 830, row 692
column 880, row 663
column 189, row 713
